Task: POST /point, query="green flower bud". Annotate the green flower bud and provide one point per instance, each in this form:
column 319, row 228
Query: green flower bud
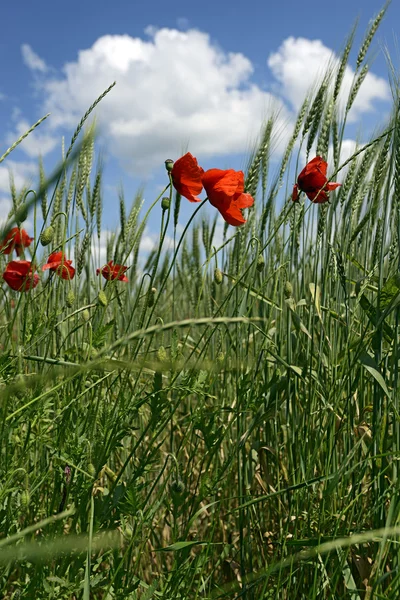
column 260, row 263
column 47, row 236
column 218, row 276
column 165, row 203
column 22, row 213
column 86, row 315
column 177, row 487
column 102, row 298
column 162, row 354
column 288, row 290
column 220, row 357
column 151, row 296
column 25, row 498
column 91, row 469
column 169, row 163
column 70, row 298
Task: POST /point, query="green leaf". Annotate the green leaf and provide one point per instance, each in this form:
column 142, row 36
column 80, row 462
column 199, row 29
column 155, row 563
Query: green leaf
column 390, row 291
column 373, row 316
column 181, row 546
column 100, row 334
column 370, row 365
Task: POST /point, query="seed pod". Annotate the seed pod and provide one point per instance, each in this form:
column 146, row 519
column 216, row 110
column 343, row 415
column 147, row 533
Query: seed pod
column 169, row 163
column 47, row 236
column 260, row 263
column 102, row 298
column 218, row 276
column 165, row 203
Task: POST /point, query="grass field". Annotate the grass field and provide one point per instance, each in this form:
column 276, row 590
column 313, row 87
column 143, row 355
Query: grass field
column 226, row 423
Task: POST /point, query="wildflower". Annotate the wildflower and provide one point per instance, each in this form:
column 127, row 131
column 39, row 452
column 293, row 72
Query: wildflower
column 16, row 239
column 225, row 191
column 111, row 272
column 186, row 177
column 313, row 181
column 60, row 265
column 19, row 275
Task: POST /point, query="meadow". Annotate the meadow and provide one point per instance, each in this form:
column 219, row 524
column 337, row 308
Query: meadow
column 222, row 418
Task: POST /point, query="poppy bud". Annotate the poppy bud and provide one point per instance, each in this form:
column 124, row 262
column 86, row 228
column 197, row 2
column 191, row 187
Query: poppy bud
column 25, row 498
column 161, row 354
column 47, row 236
column 70, row 298
column 260, row 263
column 102, row 298
column 218, row 276
column 165, row 203
column 169, row 163
column 288, row 290
column 151, row 295
column 22, row 213
column 86, row 315
column 91, row 469
column 177, row 487
column 20, row 387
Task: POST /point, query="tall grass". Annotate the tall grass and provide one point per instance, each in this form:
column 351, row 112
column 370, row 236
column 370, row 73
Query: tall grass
column 225, row 424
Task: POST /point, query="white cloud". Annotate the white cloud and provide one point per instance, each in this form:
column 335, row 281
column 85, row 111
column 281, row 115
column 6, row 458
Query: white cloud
column 23, row 173
column 37, row 143
column 32, row 60
column 173, row 91
column 177, row 90
column 5, row 208
column 299, row 62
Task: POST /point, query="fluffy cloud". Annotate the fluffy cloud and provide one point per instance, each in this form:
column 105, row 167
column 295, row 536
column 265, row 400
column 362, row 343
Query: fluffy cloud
column 5, row 208
column 300, row 62
column 38, row 143
column 174, row 90
column 21, row 171
column 32, row 60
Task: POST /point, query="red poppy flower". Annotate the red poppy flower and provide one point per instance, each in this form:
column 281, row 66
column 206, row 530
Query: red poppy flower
column 314, row 182
column 15, row 238
column 186, row 177
column 111, row 271
column 19, row 275
column 225, row 191
column 60, row 265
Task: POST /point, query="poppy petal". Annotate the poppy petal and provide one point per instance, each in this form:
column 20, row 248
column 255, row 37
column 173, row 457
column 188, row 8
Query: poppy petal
column 244, row 201
column 317, row 196
column 332, row 186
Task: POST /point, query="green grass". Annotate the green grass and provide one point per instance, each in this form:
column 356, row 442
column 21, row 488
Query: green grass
column 199, row 435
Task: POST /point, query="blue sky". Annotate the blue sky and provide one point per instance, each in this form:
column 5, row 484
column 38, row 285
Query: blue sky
column 198, row 75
